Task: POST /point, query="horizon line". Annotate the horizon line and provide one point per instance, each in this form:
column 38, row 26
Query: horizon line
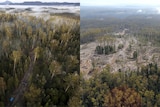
column 41, row 1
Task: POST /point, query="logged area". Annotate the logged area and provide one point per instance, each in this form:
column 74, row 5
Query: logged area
column 119, row 56
column 122, row 40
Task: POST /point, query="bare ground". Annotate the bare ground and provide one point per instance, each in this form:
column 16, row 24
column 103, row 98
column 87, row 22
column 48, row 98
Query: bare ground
column 121, row 60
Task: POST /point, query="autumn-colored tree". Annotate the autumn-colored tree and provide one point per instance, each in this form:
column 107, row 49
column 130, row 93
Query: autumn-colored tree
column 122, row 97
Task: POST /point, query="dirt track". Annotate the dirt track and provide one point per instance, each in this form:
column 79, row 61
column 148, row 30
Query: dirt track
column 18, row 93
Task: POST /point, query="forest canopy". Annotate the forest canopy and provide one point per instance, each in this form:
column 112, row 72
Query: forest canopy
column 39, row 60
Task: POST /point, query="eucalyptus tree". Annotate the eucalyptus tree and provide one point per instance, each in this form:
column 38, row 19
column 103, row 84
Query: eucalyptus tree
column 55, row 68
column 2, row 86
column 36, row 53
column 16, row 56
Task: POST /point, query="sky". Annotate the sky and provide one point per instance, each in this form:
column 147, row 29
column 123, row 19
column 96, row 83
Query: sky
column 20, row 1
column 118, row 2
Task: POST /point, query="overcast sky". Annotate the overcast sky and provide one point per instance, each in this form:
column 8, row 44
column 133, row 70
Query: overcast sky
column 119, row 2
column 19, row 1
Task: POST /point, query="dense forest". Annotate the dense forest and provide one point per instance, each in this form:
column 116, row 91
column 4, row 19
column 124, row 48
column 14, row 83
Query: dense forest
column 123, row 89
column 39, row 61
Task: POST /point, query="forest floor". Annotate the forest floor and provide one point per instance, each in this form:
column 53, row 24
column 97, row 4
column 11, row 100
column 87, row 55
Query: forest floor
column 122, row 59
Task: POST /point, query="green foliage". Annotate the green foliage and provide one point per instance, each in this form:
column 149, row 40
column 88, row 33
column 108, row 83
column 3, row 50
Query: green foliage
column 137, row 89
column 33, row 96
column 108, row 49
column 120, row 46
column 135, row 55
column 40, row 56
column 130, row 47
column 99, row 50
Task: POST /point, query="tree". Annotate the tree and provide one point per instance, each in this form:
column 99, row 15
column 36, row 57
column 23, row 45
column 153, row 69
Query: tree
column 16, row 56
column 122, row 97
column 36, row 53
column 74, row 83
column 42, row 36
column 99, row 50
column 120, row 46
column 34, row 41
column 158, row 100
column 54, row 68
column 8, row 32
column 54, row 45
column 149, row 98
column 2, row 86
column 29, row 31
column 135, row 55
column 32, row 96
column 74, row 102
column 5, row 46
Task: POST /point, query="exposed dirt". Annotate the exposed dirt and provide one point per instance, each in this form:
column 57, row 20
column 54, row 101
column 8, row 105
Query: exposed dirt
column 121, row 60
